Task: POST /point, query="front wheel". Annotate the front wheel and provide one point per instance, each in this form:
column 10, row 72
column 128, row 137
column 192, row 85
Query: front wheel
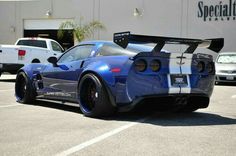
column 24, row 90
column 94, row 100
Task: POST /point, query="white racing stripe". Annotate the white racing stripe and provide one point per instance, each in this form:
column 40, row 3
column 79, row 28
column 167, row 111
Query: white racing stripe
column 187, row 62
column 186, row 89
column 186, row 70
column 99, row 138
column 172, row 90
column 173, row 64
column 173, row 69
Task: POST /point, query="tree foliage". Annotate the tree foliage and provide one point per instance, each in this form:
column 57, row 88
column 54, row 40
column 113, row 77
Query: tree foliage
column 80, row 31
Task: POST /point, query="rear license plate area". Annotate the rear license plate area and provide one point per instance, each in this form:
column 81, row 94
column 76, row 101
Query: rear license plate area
column 178, row 80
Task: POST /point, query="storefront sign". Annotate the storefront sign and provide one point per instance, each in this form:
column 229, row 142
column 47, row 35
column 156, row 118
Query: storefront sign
column 221, row 11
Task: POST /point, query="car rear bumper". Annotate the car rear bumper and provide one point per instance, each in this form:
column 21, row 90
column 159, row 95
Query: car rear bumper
column 169, row 101
column 141, row 86
column 12, row 68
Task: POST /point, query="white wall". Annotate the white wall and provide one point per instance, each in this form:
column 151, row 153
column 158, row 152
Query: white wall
column 177, row 18
column 155, row 20
column 8, row 22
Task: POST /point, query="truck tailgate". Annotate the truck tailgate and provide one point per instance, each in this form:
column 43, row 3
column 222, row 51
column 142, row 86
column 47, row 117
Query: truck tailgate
column 8, row 54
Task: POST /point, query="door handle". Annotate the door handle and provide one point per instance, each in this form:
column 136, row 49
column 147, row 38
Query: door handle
column 0, row 51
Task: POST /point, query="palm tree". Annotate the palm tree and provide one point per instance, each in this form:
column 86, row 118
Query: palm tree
column 80, row 31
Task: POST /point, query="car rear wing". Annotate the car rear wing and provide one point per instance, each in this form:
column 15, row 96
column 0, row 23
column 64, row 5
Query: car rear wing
column 124, row 38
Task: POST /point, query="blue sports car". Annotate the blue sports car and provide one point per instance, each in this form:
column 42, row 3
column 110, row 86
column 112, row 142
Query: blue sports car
column 103, row 77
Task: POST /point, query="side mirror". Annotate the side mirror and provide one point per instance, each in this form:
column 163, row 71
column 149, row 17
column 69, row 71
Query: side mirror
column 53, row 61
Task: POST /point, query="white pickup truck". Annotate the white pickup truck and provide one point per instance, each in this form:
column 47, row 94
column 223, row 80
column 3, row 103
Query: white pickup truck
column 25, row 51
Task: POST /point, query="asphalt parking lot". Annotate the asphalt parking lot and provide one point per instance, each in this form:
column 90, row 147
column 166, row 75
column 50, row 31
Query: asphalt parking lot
column 47, row 128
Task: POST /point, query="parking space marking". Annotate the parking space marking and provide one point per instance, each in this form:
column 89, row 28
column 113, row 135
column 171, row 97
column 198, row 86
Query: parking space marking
column 233, row 96
column 6, row 90
column 100, row 138
column 13, row 105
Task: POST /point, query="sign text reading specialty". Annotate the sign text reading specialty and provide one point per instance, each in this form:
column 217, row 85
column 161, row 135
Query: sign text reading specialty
column 224, row 10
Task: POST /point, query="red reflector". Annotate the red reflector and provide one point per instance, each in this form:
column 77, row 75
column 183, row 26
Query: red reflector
column 21, row 52
column 115, row 70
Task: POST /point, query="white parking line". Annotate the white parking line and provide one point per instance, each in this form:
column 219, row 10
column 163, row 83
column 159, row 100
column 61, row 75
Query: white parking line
column 99, row 138
column 233, row 96
column 6, row 90
column 6, row 106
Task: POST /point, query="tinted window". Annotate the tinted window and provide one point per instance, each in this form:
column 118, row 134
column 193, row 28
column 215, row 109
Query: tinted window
column 113, row 50
column 56, row 47
column 34, row 43
column 76, row 53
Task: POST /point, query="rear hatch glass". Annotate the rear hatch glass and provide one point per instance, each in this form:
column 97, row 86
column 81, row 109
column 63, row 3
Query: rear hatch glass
column 33, row 43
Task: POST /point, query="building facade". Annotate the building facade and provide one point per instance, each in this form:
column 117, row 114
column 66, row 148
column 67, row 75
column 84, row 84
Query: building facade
column 177, row 18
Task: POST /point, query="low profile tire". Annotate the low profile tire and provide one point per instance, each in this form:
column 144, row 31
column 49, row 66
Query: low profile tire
column 94, row 100
column 24, row 90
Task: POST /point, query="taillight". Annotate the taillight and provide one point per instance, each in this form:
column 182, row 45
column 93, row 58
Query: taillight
column 200, row 66
column 21, row 52
column 140, row 65
column 210, row 67
column 155, row 65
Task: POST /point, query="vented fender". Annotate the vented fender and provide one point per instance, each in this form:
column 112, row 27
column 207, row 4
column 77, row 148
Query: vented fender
column 31, row 69
column 102, row 70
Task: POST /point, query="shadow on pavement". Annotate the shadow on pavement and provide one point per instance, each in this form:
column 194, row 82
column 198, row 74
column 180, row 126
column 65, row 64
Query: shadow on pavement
column 58, row 106
column 8, row 80
column 190, row 119
column 167, row 118
column 226, row 84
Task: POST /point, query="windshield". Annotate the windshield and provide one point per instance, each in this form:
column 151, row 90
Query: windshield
column 229, row 58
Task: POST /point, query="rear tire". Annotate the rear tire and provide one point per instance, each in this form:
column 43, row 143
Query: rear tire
column 24, row 90
column 94, row 100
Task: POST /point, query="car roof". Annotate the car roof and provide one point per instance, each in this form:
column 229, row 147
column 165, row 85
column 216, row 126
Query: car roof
column 141, row 47
column 34, row 38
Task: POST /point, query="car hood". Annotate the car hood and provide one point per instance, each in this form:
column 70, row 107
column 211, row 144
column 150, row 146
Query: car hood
column 220, row 66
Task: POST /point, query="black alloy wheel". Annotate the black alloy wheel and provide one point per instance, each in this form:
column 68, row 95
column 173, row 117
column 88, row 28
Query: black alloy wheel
column 93, row 97
column 24, row 90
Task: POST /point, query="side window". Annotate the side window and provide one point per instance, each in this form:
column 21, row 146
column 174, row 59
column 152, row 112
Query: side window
column 56, row 47
column 115, row 50
column 109, row 51
column 76, row 53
